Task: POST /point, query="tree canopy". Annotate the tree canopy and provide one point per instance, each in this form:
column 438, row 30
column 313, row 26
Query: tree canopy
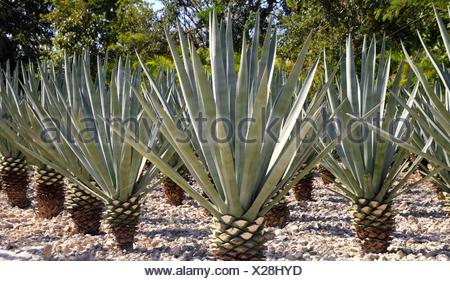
column 22, row 34
column 32, row 29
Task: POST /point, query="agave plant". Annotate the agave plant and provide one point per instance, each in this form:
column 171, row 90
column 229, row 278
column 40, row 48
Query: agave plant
column 169, row 90
column 303, row 189
column 34, row 133
column 174, row 194
column 420, row 138
column 242, row 179
column 83, row 147
column 373, row 171
column 14, row 171
column 49, row 184
column 431, row 111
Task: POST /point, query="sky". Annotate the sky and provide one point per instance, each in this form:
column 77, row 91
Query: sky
column 156, row 4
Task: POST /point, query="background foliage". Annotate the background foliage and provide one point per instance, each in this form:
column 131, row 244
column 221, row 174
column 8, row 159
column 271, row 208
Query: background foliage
column 30, row 29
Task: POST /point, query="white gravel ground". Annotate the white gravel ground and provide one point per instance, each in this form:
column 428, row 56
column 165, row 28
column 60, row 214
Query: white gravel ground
column 318, row 231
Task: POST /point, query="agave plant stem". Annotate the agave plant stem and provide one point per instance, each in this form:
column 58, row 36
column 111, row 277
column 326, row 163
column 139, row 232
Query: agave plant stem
column 303, row 189
column 236, row 239
column 278, row 216
column 439, row 192
column 174, row 193
column 49, row 193
column 15, row 179
column 85, row 209
column 326, row 176
column 373, row 224
column 123, row 218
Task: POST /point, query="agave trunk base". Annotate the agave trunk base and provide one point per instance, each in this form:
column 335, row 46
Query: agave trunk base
column 15, row 180
column 49, row 193
column 303, row 189
column 174, row 193
column 236, row 239
column 327, row 176
column 373, row 224
column 278, row 216
column 85, row 210
column 123, row 218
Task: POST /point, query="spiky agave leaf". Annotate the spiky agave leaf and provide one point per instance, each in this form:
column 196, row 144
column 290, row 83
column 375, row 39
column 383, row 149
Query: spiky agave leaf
column 248, row 177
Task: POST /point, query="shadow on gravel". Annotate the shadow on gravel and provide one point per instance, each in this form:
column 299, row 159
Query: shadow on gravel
column 184, row 251
column 175, row 233
column 427, row 204
column 308, row 218
column 429, row 253
column 417, row 238
column 337, row 200
column 40, row 239
column 159, row 221
column 330, row 229
column 424, row 214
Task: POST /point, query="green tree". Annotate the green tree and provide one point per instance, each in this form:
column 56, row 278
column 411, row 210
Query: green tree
column 137, row 27
column 193, row 15
column 333, row 20
column 22, row 34
column 81, row 24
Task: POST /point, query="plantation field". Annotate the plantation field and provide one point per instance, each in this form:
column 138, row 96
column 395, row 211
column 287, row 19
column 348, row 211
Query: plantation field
column 318, row 230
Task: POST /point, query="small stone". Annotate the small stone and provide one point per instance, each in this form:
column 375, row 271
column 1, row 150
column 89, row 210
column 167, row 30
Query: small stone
column 400, row 254
column 176, row 251
column 6, row 225
column 442, row 257
column 278, row 232
column 109, row 243
column 371, row 257
column 47, row 252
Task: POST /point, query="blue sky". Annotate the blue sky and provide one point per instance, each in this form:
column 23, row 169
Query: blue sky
column 156, row 4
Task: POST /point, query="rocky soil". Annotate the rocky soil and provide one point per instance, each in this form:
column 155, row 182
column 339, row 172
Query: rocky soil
column 319, row 230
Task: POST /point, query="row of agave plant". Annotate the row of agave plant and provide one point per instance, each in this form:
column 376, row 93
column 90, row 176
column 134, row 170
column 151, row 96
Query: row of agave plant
column 90, row 130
